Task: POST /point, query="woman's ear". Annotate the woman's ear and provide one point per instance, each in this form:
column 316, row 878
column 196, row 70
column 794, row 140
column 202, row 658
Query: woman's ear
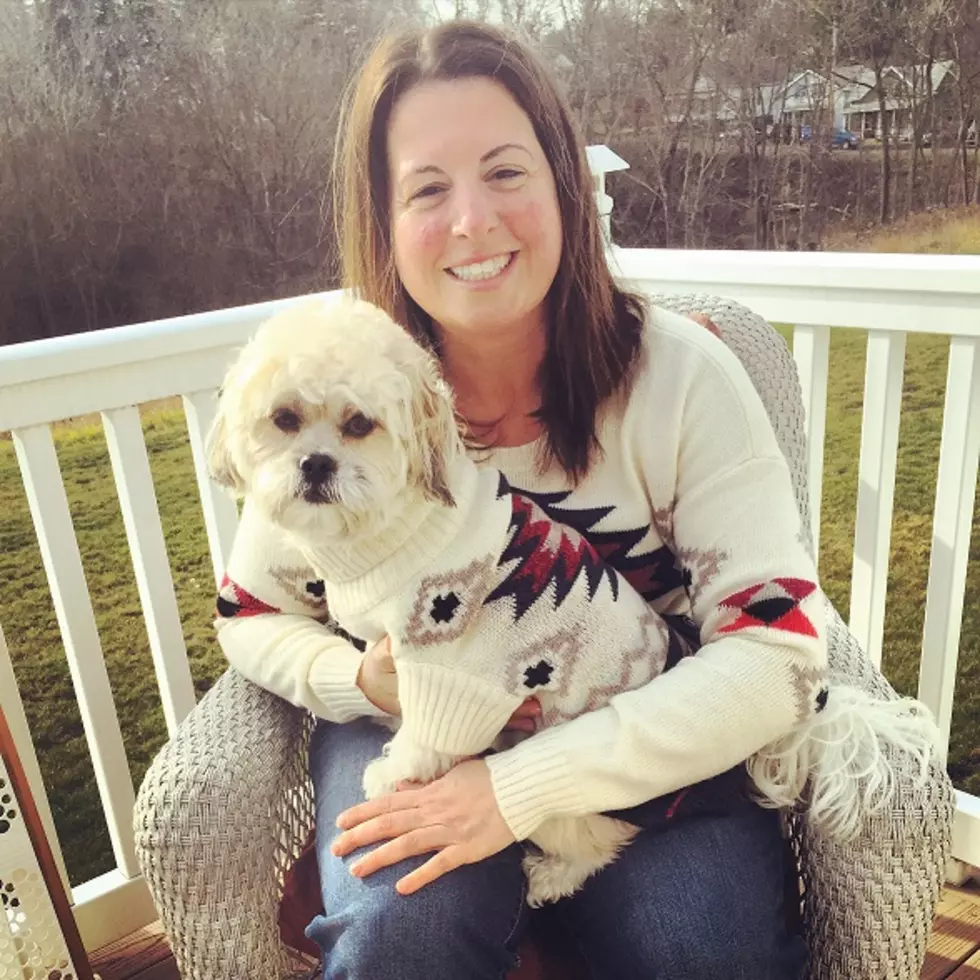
column 218, row 453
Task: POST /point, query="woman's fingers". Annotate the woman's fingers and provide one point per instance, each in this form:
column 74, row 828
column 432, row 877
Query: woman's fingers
column 383, row 826
column 705, row 321
column 409, row 845
column 375, row 808
column 525, row 718
column 439, row 864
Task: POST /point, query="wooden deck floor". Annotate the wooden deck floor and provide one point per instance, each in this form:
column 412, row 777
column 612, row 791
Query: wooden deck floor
column 954, row 947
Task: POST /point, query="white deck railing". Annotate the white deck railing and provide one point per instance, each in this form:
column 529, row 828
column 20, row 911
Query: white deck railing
column 112, row 371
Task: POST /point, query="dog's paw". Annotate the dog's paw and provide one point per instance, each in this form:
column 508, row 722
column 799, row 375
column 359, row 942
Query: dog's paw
column 379, row 780
column 549, row 878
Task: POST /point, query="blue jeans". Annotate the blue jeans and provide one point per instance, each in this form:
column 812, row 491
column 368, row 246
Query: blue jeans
column 703, row 900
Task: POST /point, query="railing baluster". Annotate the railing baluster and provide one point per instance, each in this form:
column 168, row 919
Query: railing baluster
column 811, row 350
column 876, row 487
column 141, row 516
column 952, row 526
column 63, row 565
column 220, row 511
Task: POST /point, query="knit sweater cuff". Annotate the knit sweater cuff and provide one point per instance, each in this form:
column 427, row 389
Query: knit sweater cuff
column 532, row 782
column 333, row 679
column 451, row 711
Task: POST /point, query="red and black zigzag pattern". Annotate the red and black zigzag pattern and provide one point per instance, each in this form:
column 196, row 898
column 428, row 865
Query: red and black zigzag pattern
column 546, row 553
column 233, row 600
column 774, row 604
column 651, row 573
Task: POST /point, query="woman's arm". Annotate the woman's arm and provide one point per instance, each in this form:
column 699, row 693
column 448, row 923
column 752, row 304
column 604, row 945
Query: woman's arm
column 735, row 528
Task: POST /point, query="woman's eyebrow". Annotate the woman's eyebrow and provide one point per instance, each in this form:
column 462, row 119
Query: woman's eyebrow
column 497, row 150
column 431, row 168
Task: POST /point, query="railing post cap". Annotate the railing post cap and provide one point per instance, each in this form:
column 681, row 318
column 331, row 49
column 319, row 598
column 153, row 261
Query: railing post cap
column 602, row 160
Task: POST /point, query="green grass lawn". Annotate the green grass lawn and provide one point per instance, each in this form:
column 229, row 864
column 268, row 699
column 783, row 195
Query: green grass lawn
column 29, row 623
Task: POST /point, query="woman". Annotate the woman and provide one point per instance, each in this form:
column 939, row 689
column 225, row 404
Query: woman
column 467, row 212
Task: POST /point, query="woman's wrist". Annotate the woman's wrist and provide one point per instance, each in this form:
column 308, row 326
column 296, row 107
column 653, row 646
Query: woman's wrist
column 532, row 782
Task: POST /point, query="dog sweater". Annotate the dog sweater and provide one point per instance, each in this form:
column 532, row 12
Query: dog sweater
column 690, row 501
column 487, row 603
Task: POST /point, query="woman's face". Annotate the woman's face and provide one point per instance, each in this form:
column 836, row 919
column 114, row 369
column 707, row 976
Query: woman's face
column 476, row 229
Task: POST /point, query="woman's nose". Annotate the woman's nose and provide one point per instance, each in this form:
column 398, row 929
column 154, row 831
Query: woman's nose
column 474, row 212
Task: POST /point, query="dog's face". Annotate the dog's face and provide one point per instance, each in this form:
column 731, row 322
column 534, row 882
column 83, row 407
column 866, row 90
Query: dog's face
column 329, row 418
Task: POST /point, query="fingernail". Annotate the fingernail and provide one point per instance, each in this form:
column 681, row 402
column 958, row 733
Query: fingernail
column 355, row 869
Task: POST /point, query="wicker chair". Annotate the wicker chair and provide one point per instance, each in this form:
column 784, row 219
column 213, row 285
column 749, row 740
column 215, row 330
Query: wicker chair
column 226, row 806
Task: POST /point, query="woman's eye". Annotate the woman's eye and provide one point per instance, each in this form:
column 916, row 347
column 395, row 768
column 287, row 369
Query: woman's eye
column 507, row 174
column 358, row 426
column 286, row 420
column 430, row 190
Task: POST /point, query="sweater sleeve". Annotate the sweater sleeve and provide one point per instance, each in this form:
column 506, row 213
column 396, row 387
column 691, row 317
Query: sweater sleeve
column 271, row 621
column 736, row 532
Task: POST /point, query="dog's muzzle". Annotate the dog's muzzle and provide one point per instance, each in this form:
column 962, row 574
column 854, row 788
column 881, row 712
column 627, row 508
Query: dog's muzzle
column 318, row 470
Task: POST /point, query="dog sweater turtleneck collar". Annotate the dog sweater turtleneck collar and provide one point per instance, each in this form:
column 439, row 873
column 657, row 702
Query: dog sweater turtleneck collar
column 363, row 569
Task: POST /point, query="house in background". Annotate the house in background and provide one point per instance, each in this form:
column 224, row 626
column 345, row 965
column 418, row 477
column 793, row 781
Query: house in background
column 790, row 110
column 908, row 91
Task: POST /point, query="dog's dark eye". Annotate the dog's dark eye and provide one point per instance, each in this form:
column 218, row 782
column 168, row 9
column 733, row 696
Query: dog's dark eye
column 286, row 420
column 358, row 426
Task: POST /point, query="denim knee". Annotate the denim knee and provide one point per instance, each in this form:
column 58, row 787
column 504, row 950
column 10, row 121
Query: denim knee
column 465, row 924
column 703, row 901
column 699, row 953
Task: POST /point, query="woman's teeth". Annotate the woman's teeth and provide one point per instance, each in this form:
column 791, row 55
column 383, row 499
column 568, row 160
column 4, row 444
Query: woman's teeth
column 481, row 270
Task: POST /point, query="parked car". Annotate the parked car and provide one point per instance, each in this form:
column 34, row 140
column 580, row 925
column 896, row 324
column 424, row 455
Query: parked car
column 844, row 139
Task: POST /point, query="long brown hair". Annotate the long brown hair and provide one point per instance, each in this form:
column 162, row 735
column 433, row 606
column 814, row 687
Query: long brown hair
column 594, row 327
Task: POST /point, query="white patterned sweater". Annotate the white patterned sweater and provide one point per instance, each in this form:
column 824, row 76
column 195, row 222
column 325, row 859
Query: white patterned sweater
column 690, row 502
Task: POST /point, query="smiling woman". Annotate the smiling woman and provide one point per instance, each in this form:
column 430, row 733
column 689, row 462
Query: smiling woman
column 467, row 214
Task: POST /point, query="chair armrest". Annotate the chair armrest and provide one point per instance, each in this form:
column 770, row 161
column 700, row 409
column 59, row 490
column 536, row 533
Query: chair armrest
column 223, row 811
column 869, row 902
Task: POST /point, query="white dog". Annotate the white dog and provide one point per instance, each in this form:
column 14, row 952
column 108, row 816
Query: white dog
column 339, row 427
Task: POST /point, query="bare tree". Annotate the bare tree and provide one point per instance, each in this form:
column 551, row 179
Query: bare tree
column 962, row 35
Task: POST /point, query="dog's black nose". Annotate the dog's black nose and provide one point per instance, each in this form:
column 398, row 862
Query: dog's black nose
column 318, row 467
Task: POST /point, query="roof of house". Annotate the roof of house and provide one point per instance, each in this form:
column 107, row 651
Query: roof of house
column 898, row 81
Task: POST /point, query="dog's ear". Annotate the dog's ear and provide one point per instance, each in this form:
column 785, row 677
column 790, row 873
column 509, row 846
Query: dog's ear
column 433, row 436
column 220, row 464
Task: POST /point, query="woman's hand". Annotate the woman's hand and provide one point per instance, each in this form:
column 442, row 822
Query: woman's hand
column 378, row 679
column 705, row 321
column 526, row 717
column 456, row 816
